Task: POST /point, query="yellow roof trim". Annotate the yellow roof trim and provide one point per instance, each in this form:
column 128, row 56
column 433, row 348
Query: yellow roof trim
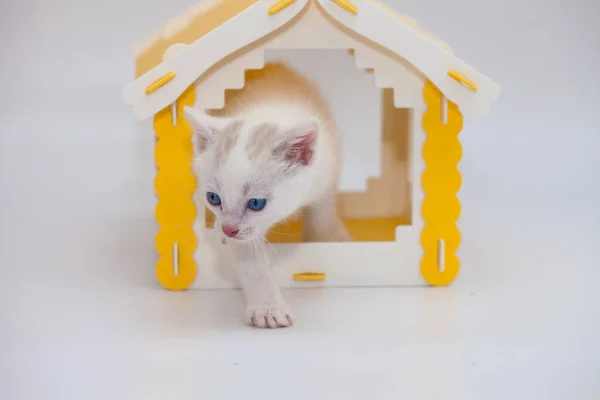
column 160, row 82
column 279, row 6
column 463, row 80
column 346, row 5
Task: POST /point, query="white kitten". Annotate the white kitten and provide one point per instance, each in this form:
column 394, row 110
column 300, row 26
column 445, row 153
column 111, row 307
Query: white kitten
column 272, row 151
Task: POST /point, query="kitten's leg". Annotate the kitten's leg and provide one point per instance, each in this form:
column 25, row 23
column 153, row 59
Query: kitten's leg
column 265, row 306
column 322, row 222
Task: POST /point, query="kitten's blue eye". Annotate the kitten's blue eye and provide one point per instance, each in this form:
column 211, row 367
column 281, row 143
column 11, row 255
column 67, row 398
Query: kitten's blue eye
column 213, row 198
column 257, row 204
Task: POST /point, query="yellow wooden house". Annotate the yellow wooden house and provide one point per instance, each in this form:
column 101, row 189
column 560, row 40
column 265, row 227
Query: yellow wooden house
column 412, row 236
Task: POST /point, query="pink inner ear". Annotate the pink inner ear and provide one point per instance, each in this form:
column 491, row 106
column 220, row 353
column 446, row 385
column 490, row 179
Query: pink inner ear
column 302, row 150
column 201, row 143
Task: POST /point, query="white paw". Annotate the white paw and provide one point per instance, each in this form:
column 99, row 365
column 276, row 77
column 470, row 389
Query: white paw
column 269, row 316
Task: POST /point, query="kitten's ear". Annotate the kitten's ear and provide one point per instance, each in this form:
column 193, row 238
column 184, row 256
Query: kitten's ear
column 300, row 142
column 205, row 128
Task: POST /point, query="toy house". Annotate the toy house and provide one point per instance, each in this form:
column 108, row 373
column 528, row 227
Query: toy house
column 411, row 237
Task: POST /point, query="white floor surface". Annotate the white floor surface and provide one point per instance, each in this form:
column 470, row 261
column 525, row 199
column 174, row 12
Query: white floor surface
column 92, row 324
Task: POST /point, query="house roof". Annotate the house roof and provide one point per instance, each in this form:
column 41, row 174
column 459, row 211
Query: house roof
column 186, row 27
column 173, row 57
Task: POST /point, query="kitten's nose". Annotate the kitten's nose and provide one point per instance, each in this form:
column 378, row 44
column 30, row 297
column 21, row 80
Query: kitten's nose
column 230, row 230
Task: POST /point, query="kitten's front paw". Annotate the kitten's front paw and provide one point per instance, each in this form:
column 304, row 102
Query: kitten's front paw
column 269, row 316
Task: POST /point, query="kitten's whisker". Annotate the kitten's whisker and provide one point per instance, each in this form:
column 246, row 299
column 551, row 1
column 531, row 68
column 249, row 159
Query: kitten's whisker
column 274, row 249
column 251, row 246
column 263, row 250
column 191, row 248
column 283, row 233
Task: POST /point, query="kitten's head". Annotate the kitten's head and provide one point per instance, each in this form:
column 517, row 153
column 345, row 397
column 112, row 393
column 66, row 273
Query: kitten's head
column 253, row 174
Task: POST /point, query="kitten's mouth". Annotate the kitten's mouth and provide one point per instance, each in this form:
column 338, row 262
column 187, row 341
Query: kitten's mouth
column 236, row 234
column 237, row 239
column 246, row 235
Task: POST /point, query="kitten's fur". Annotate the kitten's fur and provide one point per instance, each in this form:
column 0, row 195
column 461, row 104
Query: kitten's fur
column 275, row 140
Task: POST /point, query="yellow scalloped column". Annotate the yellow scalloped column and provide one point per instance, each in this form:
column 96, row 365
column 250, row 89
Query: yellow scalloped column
column 441, row 181
column 175, row 184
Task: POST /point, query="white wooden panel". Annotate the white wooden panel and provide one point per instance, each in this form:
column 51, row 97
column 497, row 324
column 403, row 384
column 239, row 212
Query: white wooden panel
column 376, row 24
column 346, row 264
column 371, row 22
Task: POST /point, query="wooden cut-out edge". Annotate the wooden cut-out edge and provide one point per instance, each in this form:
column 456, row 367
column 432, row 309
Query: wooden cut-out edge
column 175, row 185
column 441, row 178
column 440, row 255
column 444, row 110
column 175, row 259
column 379, row 221
column 174, row 113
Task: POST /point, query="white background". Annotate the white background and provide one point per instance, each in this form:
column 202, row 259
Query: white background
column 82, row 317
